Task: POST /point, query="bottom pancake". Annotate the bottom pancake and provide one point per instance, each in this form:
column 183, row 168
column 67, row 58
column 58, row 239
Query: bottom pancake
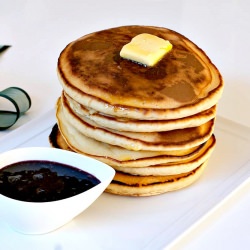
column 130, row 185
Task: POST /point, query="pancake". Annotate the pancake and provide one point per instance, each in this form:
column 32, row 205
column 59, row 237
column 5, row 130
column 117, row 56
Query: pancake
column 57, row 141
column 154, row 141
column 173, row 168
column 87, row 145
column 183, row 83
column 134, row 125
column 132, row 185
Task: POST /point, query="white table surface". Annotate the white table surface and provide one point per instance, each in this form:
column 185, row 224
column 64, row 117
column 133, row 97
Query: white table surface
column 39, row 29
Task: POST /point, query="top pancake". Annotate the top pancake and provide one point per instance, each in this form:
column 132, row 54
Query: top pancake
column 183, row 83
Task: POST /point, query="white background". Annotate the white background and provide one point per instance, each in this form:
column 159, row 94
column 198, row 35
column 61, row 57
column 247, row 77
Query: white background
column 39, row 29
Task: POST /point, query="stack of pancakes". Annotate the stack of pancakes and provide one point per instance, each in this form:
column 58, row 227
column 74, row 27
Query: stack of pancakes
column 153, row 125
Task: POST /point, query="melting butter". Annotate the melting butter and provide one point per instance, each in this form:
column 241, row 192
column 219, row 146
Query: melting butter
column 146, row 49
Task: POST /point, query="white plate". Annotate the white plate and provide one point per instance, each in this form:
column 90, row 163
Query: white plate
column 115, row 222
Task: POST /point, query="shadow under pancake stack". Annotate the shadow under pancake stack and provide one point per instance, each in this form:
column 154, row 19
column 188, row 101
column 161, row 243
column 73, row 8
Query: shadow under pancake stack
column 153, row 125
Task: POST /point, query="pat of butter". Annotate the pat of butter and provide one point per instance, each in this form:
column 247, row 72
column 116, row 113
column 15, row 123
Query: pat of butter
column 146, row 49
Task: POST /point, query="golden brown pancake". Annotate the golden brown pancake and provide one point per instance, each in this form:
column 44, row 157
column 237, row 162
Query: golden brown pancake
column 132, row 185
column 173, row 168
column 183, row 83
column 87, row 145
column 154, row 141
column 57, row 141
column 134, row 125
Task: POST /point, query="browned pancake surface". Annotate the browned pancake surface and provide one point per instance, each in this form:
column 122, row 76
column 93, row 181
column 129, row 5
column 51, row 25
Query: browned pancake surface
column 92, row 65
